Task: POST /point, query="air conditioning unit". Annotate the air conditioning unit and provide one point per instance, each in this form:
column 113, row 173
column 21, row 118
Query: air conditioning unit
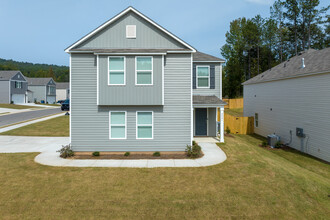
column 272, row 139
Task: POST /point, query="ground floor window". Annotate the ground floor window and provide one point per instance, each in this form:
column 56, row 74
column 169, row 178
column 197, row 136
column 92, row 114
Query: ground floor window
column 117, row 123
column 144, row 125
column 256, row 120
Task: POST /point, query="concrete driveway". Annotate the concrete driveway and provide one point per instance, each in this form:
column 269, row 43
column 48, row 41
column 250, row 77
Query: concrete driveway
column 28, row 115
column 21, row 144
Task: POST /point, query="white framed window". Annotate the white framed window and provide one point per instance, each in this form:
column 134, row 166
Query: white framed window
column 130, row 31
column 256, row 120
column 203, row 76
column 144, row 125
column 143, row 70
column 116, row 67
column 117, row 124
column 18, row 84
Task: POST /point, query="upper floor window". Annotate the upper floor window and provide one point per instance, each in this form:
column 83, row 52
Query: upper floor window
column 18, row 84
column 203, row 76
column 52, row 89
column 143, row 71
column 116, row 70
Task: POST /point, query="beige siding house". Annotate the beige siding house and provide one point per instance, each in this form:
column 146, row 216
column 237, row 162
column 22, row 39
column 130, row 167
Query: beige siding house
column 294, row 95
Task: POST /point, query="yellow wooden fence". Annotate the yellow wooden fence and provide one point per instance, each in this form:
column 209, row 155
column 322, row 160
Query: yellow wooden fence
column 234, row 103
column 239, row 125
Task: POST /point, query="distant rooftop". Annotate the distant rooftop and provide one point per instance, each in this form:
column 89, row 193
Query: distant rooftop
column 316, row 61
column 62, row 85
column 38, row 81
column 7, row 74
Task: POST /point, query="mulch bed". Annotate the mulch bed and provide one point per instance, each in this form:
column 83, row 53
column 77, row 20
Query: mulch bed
column 228, row 135
column 132, row 156
column 283, row 147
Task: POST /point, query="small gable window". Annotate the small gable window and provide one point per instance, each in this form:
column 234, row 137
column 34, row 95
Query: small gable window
column 130, row 31
column 116, row 70
column 203, row 77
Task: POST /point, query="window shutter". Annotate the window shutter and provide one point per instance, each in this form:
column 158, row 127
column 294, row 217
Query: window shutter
column 212, row 77
column 194, row 76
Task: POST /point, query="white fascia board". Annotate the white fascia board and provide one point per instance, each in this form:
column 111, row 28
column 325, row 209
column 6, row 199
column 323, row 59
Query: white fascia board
column 129, row 53
column 207, row 106
column 118, row 16
column 209, row 61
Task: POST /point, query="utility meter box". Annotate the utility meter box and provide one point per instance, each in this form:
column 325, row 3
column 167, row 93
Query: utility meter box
column 300, row 132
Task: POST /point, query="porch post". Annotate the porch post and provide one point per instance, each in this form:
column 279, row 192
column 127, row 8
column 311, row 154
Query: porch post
column 222, row 133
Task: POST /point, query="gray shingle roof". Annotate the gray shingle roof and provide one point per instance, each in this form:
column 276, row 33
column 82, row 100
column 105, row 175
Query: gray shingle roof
column 7, row 74
column 62, row 85
column 38, row 81
column 207, row 100
column 199, row 56
column 316, row 61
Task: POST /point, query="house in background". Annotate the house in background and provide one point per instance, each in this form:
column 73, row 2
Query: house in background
column 292, row 100
column 137, row 87
column 13, row 87
column 62, row 90
column 41, row 90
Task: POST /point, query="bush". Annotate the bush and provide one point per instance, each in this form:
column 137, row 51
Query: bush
column 264, row 144
column 227, row 130
column 66, row 151
column 194, row 151
column 194, row 143
column 96, row 154
column 156, row 154
column 278, row 144
column 127, row 154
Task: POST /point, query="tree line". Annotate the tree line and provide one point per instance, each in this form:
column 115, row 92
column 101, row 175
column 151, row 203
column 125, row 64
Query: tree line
column 58, row 73
column 257, row 44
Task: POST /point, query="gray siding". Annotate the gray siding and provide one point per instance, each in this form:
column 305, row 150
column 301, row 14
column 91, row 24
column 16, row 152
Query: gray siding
column 4, row 92
column 39, row 93
column 90, row 123
column 286, row 104
column 216, row 90
column 147, row 36
column 16, row 90
column 130, row 94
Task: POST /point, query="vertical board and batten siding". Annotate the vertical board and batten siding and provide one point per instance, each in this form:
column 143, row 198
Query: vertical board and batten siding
column 284, row 105
column 217, row 86
column 90, row 123
column 130, row 94
column 39, row 93
column 4, row 92
column 147, row 36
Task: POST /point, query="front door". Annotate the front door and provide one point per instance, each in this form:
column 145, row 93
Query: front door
column 201, row 121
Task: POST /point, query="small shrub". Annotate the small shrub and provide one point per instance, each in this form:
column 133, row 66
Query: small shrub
column 96, row 154
column 194, row 143
column 127, row 154
column 278, row 144
column 227, row 130
column 264, row 143
column 156, row 154
column 66, row 151
column 11, row 102
column 193, row 151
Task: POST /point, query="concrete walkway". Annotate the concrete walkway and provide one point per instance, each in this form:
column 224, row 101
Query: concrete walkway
column 49, row 145
column 29, row 122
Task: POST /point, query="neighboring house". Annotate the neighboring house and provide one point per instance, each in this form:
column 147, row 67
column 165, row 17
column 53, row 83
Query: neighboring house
column 292, row 100
column 13, row 87
column 41, row 90
column 137, row 87
column 62, row 90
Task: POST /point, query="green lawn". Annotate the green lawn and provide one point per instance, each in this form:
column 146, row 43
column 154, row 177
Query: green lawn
column 55, row 127
column 237, row 112
column 17, row 106
column 254, row 183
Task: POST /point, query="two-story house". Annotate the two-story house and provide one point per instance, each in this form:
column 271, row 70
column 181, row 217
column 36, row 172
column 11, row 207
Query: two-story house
column 41, row 90
column 13, row 87
column 135, row 86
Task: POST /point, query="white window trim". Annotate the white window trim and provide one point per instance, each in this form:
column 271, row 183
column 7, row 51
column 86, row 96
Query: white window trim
column 111, row 138
column 152, row 125
column 117, row 71
column 203, row 87
column 152, row 71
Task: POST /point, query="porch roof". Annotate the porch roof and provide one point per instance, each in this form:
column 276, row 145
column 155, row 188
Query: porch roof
column 207, row 101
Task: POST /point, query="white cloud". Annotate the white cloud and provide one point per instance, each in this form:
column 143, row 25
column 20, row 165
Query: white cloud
column 261, row 2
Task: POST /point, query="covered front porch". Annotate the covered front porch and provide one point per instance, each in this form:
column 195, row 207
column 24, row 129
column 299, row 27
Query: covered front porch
column 205, row 117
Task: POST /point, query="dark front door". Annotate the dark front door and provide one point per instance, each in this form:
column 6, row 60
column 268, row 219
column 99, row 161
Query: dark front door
column 201, row 121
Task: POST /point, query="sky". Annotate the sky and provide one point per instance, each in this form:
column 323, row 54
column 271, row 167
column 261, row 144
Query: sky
column 38, row 31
